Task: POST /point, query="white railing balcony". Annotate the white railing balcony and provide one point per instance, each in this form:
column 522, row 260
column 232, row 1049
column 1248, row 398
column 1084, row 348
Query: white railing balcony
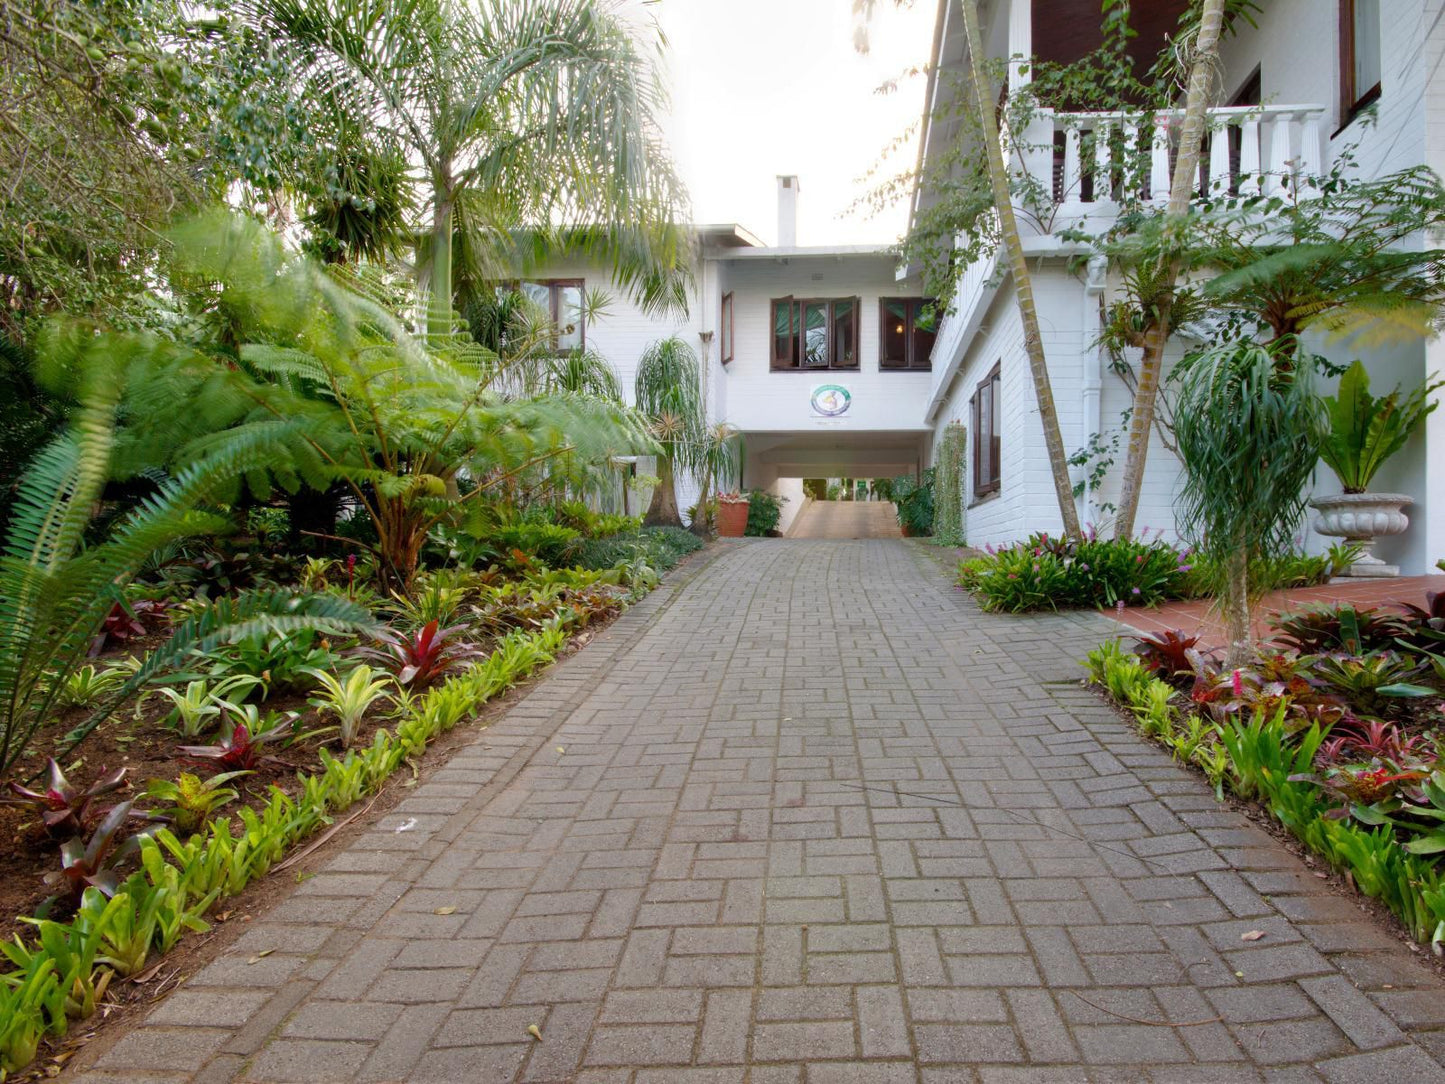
column 1091, row 159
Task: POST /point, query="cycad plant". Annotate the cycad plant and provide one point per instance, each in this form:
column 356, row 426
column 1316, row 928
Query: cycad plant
column 1249, row 428
column 56, row 588
column 669, row 396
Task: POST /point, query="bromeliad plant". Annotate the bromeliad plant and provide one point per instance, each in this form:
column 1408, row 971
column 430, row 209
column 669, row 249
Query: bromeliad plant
column 243, row 745
column 95, row 863
column 65, row 809
column 193, row 710
column 421, row 657
column 189, row 801
column 349, row 698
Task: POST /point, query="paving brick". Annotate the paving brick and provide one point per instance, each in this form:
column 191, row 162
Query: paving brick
column 843, row 829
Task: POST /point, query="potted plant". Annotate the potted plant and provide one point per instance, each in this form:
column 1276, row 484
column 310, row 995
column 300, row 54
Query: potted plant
column 732, row 514
column 1364, row 431
column 913, row 504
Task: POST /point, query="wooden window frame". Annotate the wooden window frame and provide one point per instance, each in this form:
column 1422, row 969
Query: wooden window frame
column 795, row 334
column 993, row 382
column 725, row 328
column 1352, row 100
column 554, row 288
column 913, row 305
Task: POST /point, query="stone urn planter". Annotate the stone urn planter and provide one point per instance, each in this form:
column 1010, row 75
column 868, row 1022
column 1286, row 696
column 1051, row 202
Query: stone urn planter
column 732, row 516
column 1360, row 518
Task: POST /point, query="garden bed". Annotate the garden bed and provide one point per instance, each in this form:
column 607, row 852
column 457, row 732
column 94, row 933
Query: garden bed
column 121, row 892
column 1048, row 573
column 1334, row 731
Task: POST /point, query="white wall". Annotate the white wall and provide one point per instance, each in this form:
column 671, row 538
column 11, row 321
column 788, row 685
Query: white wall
column 760, row 400
column 1296, row 48
column 791, row 489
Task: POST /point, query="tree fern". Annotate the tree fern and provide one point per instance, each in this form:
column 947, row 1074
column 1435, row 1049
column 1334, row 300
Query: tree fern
column 55, row 591
column 325, row 385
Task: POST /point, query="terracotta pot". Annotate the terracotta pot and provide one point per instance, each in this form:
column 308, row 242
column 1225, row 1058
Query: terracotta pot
column 1360, row 518
column 732, row 518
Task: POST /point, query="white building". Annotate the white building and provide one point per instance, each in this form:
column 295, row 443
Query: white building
column 810, row 352
column 813, row 353
column 1308, row 70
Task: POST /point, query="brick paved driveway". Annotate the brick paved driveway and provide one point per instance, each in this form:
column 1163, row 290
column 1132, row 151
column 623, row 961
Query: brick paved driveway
column 805, row 814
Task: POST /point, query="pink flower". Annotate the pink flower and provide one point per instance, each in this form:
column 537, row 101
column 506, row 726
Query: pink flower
column 1237, row 683
column 1135, row 590
column 1119, row 606
column 1139, row 560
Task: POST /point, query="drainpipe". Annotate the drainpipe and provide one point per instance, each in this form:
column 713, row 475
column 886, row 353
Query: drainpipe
column 1091, row 357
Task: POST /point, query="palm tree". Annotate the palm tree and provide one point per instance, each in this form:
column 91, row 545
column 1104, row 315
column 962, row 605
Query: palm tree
column 529, row 124
column 1019, row 271
column 1186, row 172
column 719, row 462
column 669, row 396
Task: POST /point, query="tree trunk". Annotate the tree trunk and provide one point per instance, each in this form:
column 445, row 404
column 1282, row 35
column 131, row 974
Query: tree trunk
column 1237, row 623
column 439, row 303
column 1018, row 268
column 662, row 512
column 1156, row 334
column 700, row 525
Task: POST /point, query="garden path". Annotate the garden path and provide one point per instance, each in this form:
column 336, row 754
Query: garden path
column 806, row 814
column 847, row 519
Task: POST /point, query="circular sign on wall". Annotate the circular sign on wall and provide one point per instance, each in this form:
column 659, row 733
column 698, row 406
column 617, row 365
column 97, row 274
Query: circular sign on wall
column 831, row 400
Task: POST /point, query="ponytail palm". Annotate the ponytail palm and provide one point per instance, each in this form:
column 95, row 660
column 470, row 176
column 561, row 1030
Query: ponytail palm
column 1249, row 428
column 669, row 396
column 529, row 124
column 55, row 590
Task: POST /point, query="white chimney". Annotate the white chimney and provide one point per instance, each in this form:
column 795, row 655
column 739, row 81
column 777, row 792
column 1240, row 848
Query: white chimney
column 787, row 211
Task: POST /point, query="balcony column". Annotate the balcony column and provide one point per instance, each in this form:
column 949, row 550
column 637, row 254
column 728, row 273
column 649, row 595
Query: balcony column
column 1020, row 40
column 1091, row 358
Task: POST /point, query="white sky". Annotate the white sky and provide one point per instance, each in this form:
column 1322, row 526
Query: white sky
column 763, row 87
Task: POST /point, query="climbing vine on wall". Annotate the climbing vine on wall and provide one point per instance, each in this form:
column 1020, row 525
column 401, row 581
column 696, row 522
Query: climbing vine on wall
column 948, row 487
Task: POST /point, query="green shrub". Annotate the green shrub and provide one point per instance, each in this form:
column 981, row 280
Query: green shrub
column 659, row 547
column 913, row 501
column 547, row 542
column 764, row 511
column 1047, row 573
column 817, row 488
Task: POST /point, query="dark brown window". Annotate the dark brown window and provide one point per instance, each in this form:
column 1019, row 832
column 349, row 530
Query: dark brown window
column 561, row 300
column 986, row 436
column 907, row 327
column 1360, row 58
column 814, row 333
column 725, row 328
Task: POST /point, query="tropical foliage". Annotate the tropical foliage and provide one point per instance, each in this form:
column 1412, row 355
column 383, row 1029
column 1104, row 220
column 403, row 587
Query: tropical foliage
column 1363, row 431
column 1333, row 728
column 1249, row 429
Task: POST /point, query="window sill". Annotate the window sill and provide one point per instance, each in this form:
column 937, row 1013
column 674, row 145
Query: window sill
column 815, row 372
column 1369, row 98
column 985, row 498
column 904, row 369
